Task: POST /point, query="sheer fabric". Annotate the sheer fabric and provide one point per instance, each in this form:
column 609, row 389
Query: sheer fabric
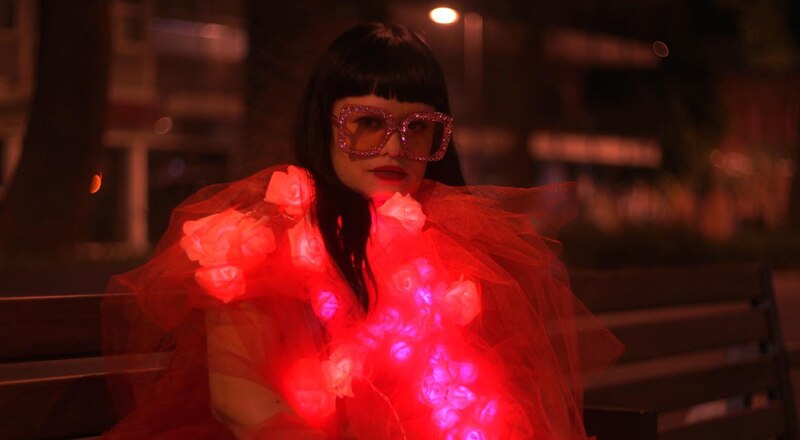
column 472, row 333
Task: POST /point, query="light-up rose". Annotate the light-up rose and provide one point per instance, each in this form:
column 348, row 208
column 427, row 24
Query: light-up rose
column 406, row 210
column 462, row 301
column 225, row 282
column 325, row 305
column 460, row 396
column 405, row 280
column 229, row 237
column 308, row 251
column 445, row 417
column 292, row 191
column 308, row 392
column 339, row 371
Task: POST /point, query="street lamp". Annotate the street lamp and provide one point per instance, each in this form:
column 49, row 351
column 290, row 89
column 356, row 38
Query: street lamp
column 443, row 15
column 473, row 51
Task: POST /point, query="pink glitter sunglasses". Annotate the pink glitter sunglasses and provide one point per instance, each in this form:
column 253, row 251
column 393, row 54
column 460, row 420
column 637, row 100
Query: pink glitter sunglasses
column 364, row 130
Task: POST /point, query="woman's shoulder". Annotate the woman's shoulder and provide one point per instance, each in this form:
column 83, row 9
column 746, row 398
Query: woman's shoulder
column 230, row 241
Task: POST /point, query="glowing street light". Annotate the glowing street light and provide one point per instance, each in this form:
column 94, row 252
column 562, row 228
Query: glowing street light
column 443, row 15
column 473, row 50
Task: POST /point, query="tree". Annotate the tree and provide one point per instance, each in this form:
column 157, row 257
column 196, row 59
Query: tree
column 45, row 210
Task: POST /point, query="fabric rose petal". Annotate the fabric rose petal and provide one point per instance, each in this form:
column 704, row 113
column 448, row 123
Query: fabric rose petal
column 339, row 376
column 462, row 300
column 307, row 248
column 405, row 210
column 229, row 237
column 224, row 282
column 291, row 191
column 206, row 240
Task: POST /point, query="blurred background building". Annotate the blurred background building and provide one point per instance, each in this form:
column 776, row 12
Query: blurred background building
column 679, row 118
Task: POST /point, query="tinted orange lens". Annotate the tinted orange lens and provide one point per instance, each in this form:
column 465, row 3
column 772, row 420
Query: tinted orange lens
column 364, row 131
column 424, row 137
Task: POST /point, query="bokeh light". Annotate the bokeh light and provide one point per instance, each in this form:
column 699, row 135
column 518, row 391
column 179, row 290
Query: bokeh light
column 97, row 182
column 163, row 125
column 661, row 49
column 443, row 15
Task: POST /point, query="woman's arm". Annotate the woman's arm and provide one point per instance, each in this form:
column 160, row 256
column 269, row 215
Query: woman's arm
column 239, row 397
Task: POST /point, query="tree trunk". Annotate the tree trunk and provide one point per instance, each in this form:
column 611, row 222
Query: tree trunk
column 45, row 211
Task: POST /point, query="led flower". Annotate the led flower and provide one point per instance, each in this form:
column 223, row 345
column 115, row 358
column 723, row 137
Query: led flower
column 432, row 392
column 339, row 376
column 405, row 280
column 423, row 297
column 473, row 434
column 292, row 191
column 225, row 282
column 308, row 392
column 339, row 371
column 462, row 301
column 405, row 210
column 308, row 251
column 445, row 417
column 467, row 372
column 460, row 396
column 325, row 305
column 229, row 237
column 401, row 351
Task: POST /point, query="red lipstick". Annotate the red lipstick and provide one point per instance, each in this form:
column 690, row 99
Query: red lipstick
column 389, row 173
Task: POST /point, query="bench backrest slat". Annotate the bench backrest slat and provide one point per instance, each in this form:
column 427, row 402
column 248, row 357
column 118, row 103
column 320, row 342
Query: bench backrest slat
column 695, row 335
column 653, row 339
column 49, row 327
column 627, row 289
column 687, row 388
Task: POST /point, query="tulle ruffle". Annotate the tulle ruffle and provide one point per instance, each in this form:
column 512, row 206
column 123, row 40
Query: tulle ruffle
column 472, row 334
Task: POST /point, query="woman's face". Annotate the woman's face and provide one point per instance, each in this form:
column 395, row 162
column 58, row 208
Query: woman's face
column 379, row 177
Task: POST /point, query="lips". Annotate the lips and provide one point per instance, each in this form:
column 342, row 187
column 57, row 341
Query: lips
column 389, row 173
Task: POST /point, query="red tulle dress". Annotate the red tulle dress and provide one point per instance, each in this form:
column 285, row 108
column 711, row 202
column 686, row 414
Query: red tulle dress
column 472, row 333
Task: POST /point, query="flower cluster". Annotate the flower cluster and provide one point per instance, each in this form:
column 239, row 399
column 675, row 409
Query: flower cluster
column 457, row 409
column 413, row 332
column 291, row 191
column 226, row 245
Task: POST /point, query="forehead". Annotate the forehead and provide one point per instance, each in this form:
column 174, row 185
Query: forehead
column 395, row 107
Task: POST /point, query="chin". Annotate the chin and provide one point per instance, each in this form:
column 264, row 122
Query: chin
column 380, row 195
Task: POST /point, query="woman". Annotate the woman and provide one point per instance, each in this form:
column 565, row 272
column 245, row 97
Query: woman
column 353, row 297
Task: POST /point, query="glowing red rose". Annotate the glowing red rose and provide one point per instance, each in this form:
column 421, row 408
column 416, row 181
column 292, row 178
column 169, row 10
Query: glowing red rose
column 462, row 301
column 223, row 282
column 405, row 210
column 291, row 191
column 308, row 251
column 229, row 237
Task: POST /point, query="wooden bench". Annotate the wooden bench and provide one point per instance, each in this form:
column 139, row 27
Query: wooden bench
column 703, row 351
column 53, row 380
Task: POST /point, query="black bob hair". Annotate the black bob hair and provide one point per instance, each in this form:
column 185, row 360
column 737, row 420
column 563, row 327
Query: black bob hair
column 386, row 60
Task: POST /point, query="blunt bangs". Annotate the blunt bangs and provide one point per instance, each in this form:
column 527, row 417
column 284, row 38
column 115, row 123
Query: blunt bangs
column 393, row 66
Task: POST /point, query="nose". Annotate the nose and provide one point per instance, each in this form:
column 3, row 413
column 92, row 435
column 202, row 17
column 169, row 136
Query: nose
column 393, row 147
